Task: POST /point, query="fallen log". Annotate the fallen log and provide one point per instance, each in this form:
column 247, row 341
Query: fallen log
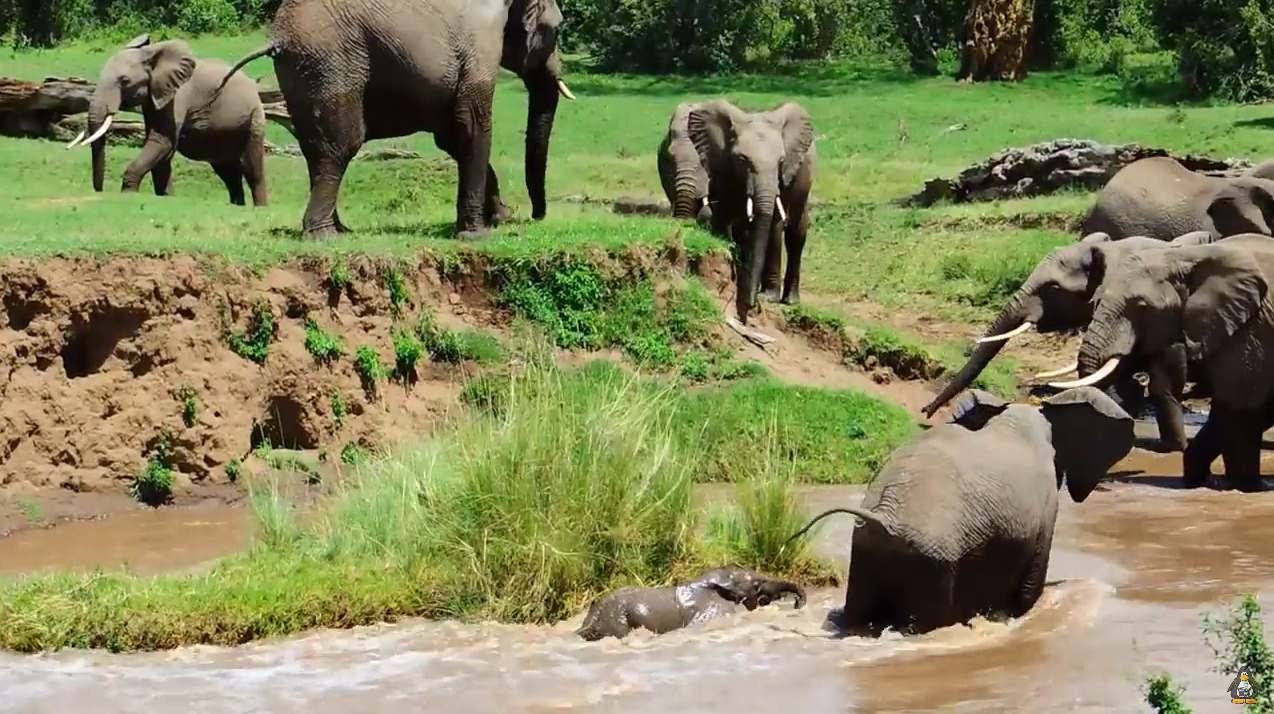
column 1051, row 166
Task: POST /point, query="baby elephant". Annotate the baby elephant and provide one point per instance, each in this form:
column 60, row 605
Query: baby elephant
column 960, row 521
column 660, row 610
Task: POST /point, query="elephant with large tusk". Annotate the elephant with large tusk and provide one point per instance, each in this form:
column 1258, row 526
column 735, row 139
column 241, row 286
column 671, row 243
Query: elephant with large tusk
column 713, row 594
column 185, row 112
column 1057, row 296
column 1211, row 304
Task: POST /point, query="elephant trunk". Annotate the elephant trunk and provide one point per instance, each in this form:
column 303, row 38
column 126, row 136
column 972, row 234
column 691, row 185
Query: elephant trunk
column 543, row 86
column 686, row 184
column 1012, row 317
column 752, row 254
column 786, row 586
column 101, row 112
column 1108, row 339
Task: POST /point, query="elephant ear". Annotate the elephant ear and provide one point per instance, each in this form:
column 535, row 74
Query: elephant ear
column 976, row 409
column 1192, row 238
column 1091, row 433
column 540, row 20
column 172, row 65
column 1226, row 289
column 1097, row 237
column 712, row 128
column 1241, row 208
column 798, row 137
column 137, row 42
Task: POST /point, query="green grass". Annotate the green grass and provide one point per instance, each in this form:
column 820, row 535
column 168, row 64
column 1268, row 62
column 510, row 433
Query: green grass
column 580, row 484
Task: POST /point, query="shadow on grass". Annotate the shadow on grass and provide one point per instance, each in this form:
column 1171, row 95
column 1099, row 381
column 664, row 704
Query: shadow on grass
column 1151, row 86
column 800, row 79
column 1257, row 123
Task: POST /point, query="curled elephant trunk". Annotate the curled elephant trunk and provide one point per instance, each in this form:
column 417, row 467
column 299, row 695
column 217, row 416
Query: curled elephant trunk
column 688, row 202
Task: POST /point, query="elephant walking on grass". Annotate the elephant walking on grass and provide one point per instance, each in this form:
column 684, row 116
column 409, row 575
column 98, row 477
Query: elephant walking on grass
column 760, row 170
column 1056, row 297
column 659, row 610
column 356, row 70
column 1160, row 198
column 183, row 113
column 1212, row 303
column 960, row 522
column 683, row 175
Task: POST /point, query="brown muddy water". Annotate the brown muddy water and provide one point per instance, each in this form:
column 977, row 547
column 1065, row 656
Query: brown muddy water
column 1133, row 570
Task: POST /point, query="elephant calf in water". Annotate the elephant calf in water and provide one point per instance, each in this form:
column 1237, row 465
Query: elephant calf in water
column 660, row 610
column 960, row 522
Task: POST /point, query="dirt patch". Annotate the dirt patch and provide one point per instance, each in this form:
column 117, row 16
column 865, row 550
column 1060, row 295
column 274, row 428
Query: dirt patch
column 1063, row 222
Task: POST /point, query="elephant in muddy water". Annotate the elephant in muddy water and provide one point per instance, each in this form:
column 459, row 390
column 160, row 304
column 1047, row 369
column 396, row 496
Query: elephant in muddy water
column 183, row 113
column 1213, row 304
column 359, row 70
column 760, row 170
column 959, row 522
column 682, row 173
column 714, row 594
column 1160, row 198
column 1057, row 297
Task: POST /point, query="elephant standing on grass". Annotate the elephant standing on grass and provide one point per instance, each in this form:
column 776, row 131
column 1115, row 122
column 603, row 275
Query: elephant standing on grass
column 960, row 522
column 1056, row 297
column 683, row 175
column 659, row 610
column 183, row 113
column 760, row 169
column 1211, row 303
column 356, row 70
column 1160, row 198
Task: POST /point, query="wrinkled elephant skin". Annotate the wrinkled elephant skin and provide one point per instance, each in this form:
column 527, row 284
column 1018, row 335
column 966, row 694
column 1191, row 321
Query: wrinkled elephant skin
column 682, row 173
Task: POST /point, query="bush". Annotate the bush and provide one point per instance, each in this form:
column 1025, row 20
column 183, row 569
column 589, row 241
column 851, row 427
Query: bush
column 1224, row 47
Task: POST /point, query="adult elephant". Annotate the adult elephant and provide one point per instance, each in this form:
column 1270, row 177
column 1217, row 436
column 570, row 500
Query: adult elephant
column 683, row 175
column 760, row 170
column 1057, row 297
column 356, row 70
column 183, row 113
column 713, row 594
column 960, row 522
column 1160, row 198
column 1212, row 303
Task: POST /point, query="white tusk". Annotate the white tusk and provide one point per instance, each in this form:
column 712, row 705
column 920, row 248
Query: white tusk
column 749, row 209
column 703, row 201
column 1091, row 379
column 76, row 140
column 101, row 131
column 561, row 87
column 1058, row 372
column 1007, row 335
column 778, row 203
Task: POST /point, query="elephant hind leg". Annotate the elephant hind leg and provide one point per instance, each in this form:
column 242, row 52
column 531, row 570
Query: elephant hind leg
column 494, row 211
column 253, row 165
column 1033, row 577
column 330, row 131
column 231, row 174
column 794, row 237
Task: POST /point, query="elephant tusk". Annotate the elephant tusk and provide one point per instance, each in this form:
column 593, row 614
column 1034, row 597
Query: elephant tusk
column 1007, row 335
column 76, row 140
column 749, row 209
column 703, row 201
column 1058, row 372
column 1091, row 379
column 778, row 203
column 561, row 87
column 101, row 131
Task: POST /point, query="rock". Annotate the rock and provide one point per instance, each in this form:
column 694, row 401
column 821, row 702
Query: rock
column 1044, row 168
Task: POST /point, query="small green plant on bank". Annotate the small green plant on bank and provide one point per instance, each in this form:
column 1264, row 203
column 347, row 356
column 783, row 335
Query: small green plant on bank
column 254, row 343
column 353, row 454
column 189, row 404
column 398, row 297
column 1238, row 641
column 369, row 368
column 339, row 409
column 154, row 485
column 407, row 351
column 455, row 346
column 234, row 469
column 322, row 345
column 32, row 511
column 338, row 276
column 699, row 366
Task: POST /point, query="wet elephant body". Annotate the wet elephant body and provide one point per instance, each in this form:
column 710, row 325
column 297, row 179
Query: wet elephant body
column 1057, row 297
column 960, row 522
column 715, row 593
column 356, row 70
column 1159, row 198
column 184, row 113
column 1211, row 304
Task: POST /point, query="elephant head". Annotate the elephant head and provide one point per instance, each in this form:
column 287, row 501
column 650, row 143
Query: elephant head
column 1244, row 205
column 141, row 74
column 1263, row 170
column 749, row 588
column 1089, row 432
column 1199, row 297
column 530, row 51
column 1056, row 296
column 751, row 157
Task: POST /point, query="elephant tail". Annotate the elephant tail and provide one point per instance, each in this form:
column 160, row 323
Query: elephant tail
column 269, row 50
column 862, row 513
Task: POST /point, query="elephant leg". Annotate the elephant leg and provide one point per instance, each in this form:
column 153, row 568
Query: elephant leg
column 794, row 234
column 862, row 613
column 254, row 171
column 162, row 177
column 156, row 149
column 929, row 600
column 231, row 174
column 1167, row 384
column 1033, row 578
column 1242, row 448
column 773, row 263
column 330, row 136
column 494, row 211
column 1203, row 449
column 472, row 137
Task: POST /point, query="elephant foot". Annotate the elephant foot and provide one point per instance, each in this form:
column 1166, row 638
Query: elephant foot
column 1249, row 484
column 772, row 295
column 792, row 298
column 1167, row 446
column 500, row 214
column 472, row 233
column 1195, row 480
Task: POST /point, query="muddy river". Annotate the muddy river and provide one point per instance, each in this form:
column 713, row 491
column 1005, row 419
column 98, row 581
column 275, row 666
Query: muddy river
column 1133, row 570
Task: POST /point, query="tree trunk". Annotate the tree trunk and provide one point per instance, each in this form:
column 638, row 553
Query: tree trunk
column 996, row 34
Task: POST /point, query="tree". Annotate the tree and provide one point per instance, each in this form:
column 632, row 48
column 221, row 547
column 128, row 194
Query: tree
column 996, row 34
